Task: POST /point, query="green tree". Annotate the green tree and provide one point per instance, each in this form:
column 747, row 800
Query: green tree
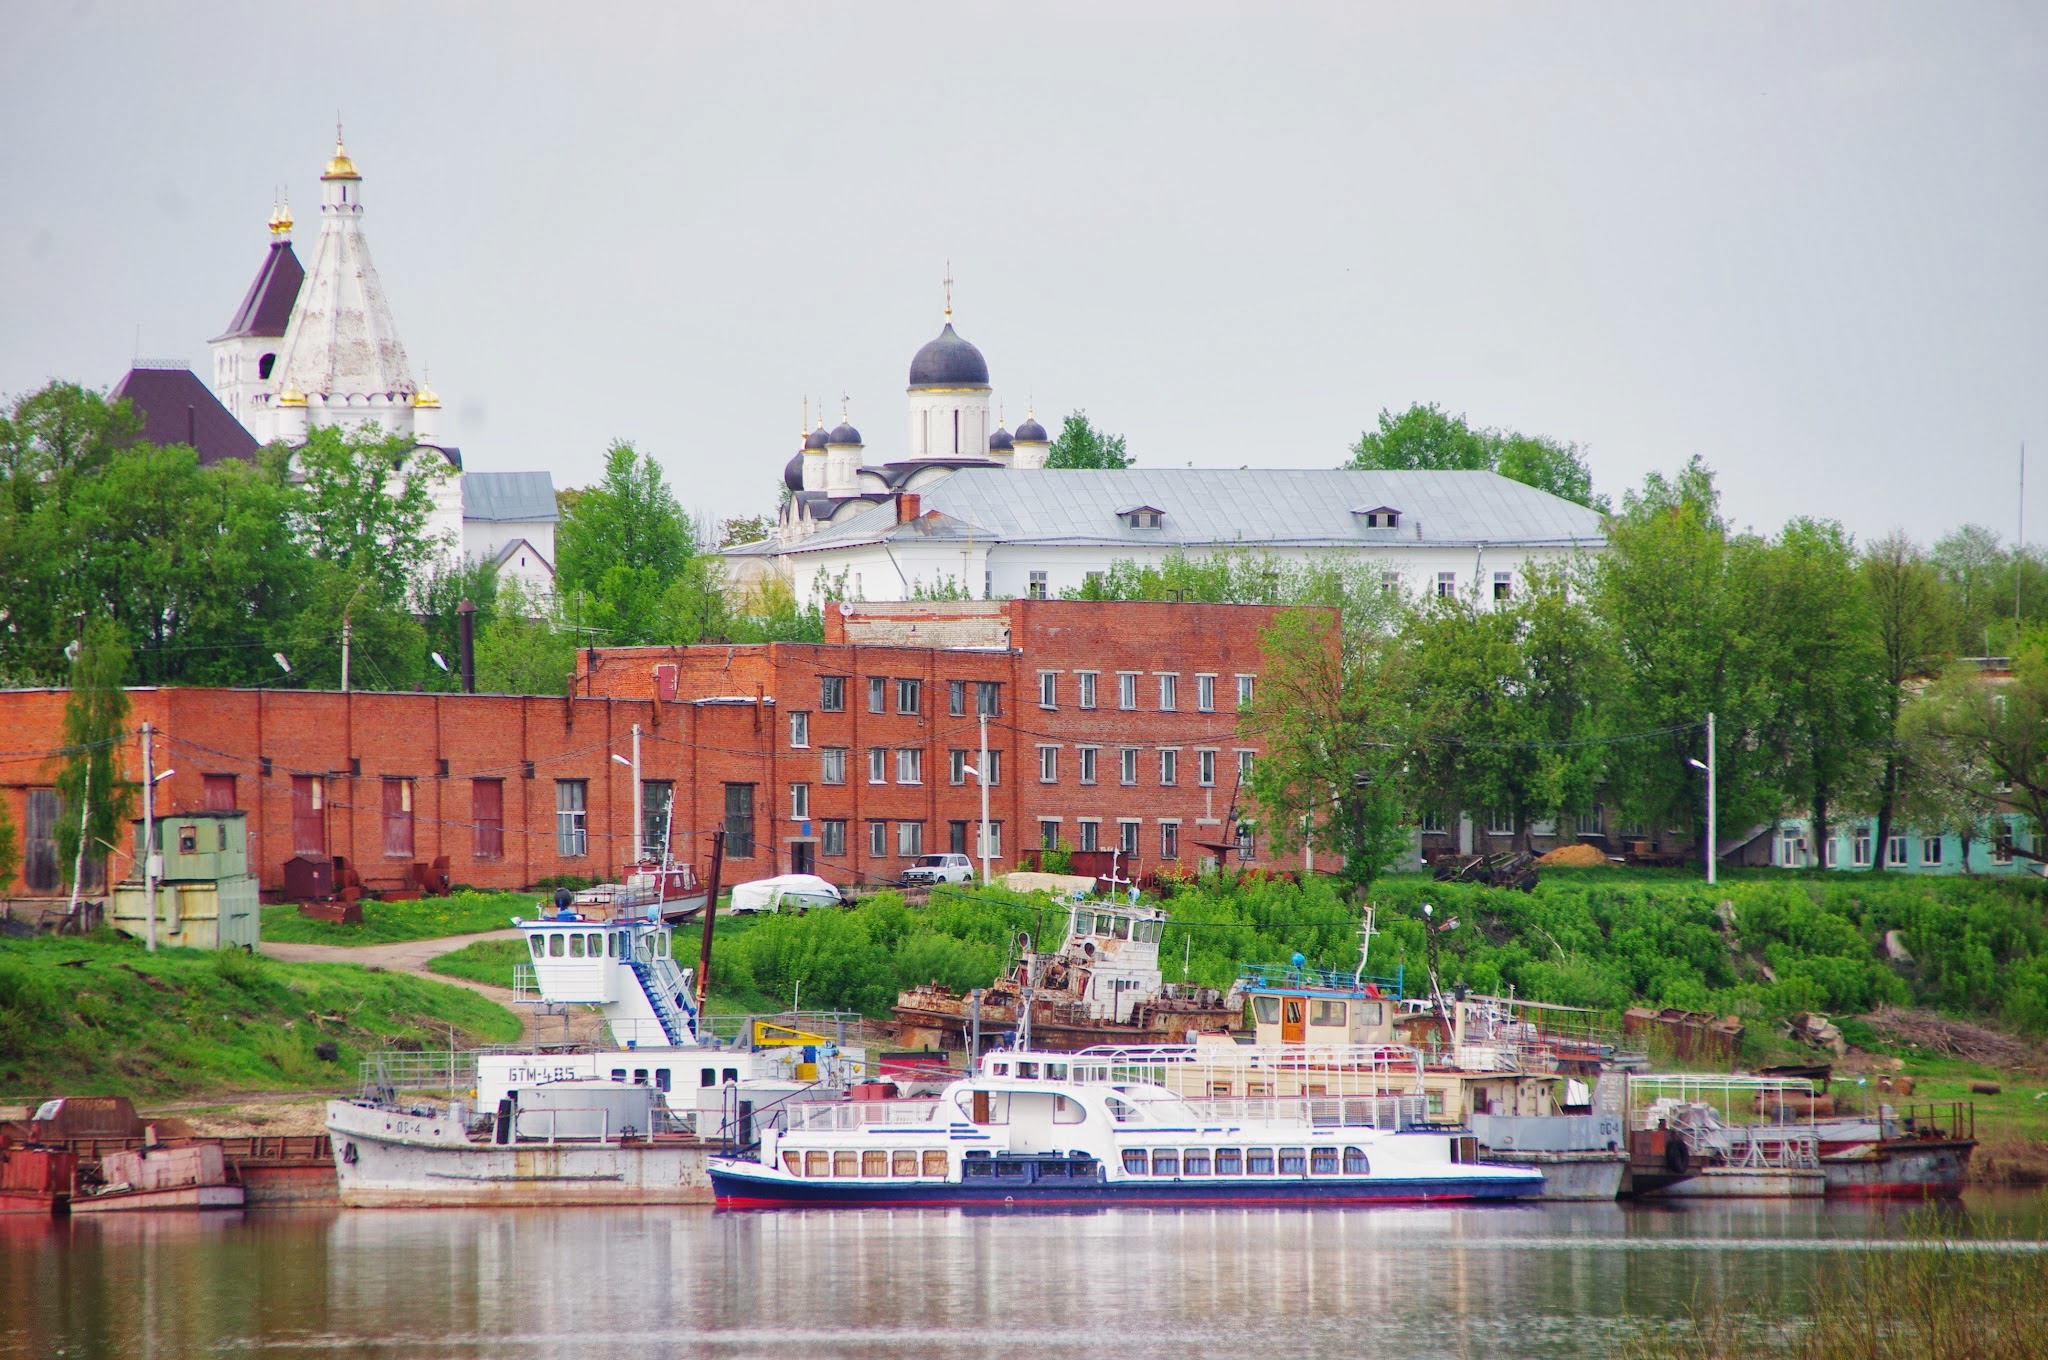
column 1903, row 598
column 696, row 607
column 439, row 604
column 1968, row 564
column 1080, row 445
column 91, row 785
column 1429, row 439
column 620, row 546
column 1821, row 643
column 366, row 498
column 523, row 649
column 59, row 432
column 1674, row 593
column 744, row 529
column 1989, row 736
column 1330, row 775
column 387, row 645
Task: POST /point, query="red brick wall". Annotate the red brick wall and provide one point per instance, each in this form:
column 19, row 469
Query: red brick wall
column 729, row 723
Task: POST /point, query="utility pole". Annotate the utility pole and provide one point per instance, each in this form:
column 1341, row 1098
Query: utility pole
column 639, row 850
column 149, row 855
column 981, row 778
column 346, row 629
column 1711, row 835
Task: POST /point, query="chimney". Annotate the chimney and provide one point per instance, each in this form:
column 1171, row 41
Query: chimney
column 907, row 504
column 465, row 622
column 1418, row 530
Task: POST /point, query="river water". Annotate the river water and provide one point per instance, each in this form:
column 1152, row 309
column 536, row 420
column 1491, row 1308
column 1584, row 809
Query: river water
column 1493, row 1283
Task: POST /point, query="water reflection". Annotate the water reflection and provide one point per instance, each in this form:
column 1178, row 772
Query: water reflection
column 1495, row 1282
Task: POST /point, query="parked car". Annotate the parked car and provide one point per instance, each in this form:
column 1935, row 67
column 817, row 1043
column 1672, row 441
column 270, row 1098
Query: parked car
column 784, row 892
column 939, row 869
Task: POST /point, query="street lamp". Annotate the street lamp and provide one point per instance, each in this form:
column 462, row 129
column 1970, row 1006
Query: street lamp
column 976, row 770
column 1706, row 767
column 639, row 850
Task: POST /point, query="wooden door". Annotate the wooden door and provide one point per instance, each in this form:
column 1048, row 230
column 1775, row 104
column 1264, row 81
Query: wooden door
column 1291, row 1008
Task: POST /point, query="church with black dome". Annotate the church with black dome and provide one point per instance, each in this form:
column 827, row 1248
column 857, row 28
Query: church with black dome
column 831, row 478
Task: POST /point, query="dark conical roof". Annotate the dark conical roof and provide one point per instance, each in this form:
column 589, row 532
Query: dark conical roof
column 948, row 361
column 268, row 307
column 1031, row 432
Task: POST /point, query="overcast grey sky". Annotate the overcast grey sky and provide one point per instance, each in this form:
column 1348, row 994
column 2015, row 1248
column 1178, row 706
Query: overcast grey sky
column 1808, row 242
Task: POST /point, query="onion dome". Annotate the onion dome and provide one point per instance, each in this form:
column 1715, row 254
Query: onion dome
column 1031, row 432
column 843, row 434
column 426, row 398
column 1000, row 441
column 339, row 166
column 817, row 439
column 948, row 361
column 281, row 219
column 291, row 396
column 793, row 473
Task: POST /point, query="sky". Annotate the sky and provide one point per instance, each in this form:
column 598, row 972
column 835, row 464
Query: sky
column 1808, row 243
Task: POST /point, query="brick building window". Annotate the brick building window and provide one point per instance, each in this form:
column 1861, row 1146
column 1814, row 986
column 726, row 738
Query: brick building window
column 1169, row 693
column 1244, row 692
column 1205, row 768
column 1085, row 758
column 878, row 694
column 878, row 840
column 799, row 729
column 832, row 694
column 1084, row 689
column 909, row 695
column 656, row 796
column 39, row 858
column 1048, row 764
column 834, row 837
column 909, row 839
column 994, row 849
column 1169, row 767
column 1244, row 767
column 1091, row 833
column 487, row 818
column 878, row 765
column 956, row 698
column 832, row 765
column 1205, row 693
column 739, row 821
column 956, row 766
column 1048, row 689
column 572, row 827
column 909, row 765
column 1127, row 838
column 220, row 793
column 309, row 817
column 800, row 802
column 995, row 768
column 1247, row 842
column 988, row 697
column 1127, row 765
column 1049, row 833
column 1169, row 840
column 956, row 837
column 1127, row 689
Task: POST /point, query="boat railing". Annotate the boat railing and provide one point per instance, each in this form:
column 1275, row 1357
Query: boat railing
column 527, row 1125
column 1286, row 977
column 382, row 1076
column 1390, row 1111
column 1388, row 1067
column 843, row 1116
column 1754, row 1148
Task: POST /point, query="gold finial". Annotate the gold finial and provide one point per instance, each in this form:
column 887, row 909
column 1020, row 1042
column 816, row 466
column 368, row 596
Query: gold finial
column 843, row 400
column 949, row 292
column 281, row 217
column 340, row 167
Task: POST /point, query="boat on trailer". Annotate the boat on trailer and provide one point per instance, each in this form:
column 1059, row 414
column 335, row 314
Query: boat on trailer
column 1038, row 1129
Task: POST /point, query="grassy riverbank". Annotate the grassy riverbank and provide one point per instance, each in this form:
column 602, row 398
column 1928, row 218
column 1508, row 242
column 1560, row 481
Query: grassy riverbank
column 1930, row 1299
column 492, row 961
column 430, row 918
column 101, row 1016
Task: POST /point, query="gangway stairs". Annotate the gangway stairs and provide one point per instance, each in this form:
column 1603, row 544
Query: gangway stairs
column 667, row 993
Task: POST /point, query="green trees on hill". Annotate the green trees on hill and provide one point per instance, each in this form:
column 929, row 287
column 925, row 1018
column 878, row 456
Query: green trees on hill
column 1425, row 437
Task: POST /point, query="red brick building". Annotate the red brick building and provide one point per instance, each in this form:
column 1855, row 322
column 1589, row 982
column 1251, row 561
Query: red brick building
column 1110, row 726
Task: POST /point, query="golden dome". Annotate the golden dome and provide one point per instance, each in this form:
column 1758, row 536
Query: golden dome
column 281, row 220
column 340, row 167
column 290, row 395
column 426, row 398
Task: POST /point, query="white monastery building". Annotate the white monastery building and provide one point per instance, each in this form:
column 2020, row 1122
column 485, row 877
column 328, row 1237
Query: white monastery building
column 976, row 508
column 308, row 349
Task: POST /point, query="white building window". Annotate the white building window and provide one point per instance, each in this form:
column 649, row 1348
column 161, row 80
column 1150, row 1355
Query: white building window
column 1169, row 840
column 1446, row 584
column 800, row 802
column 1432, row 823
column 1048, row 833
column 994, row 847
column 1127, row 832
column 1895, row 850
column 1091, row 833
column 1127, row 689
column 1085, row 757
column 1244, row 767
column 1084, row 689
column 799, row 729
column 1048, row 689
column 909, row 696
column 834, row 837
column 878, row 765
column 1500, row 824
column 878, row 839
column 1588, row 823
column 1244, row 692
column 1503, row 585
column 1169, row 767
column 1390, row 582
column 878, row 694
column 1169, row 693
column 910, row 839
column 909, row 765
column 956, row 767
column 1930, row 850
column 1205, row 768
column 1127, row 765
column 832, row 765
column 1038, row 585
column 1048, row 764
column 1861, row 856
column 1205, row 693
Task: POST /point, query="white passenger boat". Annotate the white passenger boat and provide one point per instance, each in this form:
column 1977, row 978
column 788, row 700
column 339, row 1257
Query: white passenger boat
column 1039, row 1129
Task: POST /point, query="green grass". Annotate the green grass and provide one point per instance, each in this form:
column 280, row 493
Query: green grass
column 430, row 918
column 491, row 962
column 99, row 1016
column 487, row 961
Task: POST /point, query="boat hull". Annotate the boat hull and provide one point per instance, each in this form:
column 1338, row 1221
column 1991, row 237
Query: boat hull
column 744, row 1191
column 1731, row 1182
column 183, row 1197
column 1917, row 1169
column 1573, row 1175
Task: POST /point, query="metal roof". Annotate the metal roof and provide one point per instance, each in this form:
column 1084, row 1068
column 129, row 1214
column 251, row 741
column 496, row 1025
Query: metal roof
column 267, row 309
column 177, row 408
column 509, row 495
column 1213, row 508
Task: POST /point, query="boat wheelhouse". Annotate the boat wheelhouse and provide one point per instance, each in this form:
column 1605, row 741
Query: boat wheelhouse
column 1043, row 1128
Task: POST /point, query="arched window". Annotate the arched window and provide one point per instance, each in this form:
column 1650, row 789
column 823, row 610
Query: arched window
column 264, row 365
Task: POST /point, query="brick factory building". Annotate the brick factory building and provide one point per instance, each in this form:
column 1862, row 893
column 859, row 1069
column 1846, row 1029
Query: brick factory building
column 1110, row 726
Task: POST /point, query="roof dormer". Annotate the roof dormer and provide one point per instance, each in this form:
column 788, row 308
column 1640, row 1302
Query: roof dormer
column 1142, row 516
column 1379, row 517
